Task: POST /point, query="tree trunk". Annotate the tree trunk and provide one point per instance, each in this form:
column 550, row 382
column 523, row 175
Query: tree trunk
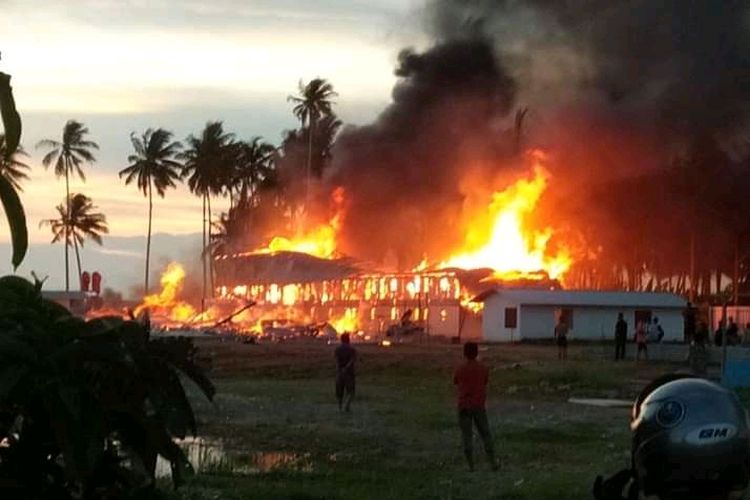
column 736, row 274
column 718, row 281
column 148, row 237
column 67, row 229
column 692, row 267
column 309, row 161
column 208, row 253
column 78, row 261
column 203, row 256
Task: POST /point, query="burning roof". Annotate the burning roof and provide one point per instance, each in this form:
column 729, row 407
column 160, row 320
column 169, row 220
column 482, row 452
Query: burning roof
column 282, row 268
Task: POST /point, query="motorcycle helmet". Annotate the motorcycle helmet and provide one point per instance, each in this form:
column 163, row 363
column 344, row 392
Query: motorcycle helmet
column 690, row 440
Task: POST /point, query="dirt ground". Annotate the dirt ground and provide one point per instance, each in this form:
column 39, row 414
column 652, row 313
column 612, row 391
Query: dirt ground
column 280, row 434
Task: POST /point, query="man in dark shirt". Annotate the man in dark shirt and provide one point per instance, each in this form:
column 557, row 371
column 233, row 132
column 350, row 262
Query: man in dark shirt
column 689, row 325
column 346, row 356
column 471, row 379
column 621, row 337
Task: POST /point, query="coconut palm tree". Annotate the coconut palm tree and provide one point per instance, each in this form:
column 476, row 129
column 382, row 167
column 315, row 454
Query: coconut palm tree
column 152, row 166
column 11, row 166
column 209, row 161
column 253, row 168
column 69, row 155
column 312, row 103
column 76, row 223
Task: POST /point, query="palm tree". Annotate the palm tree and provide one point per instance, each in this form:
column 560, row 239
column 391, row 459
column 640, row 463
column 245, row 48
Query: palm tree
column 153, row 166
column 69, row 155
column 209, row 161
column 11, row 166
column 77, row 222
column 312, row 103
column 254, row 168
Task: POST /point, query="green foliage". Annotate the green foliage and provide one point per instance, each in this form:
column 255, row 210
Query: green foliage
column 71, row 152
column 16, row 220
column 12, row 166
column 11, row 118
column 209, row 159
column 313, row 101
column 153, row 163
column 86, row 406
column 8, row 196
column 82, row 223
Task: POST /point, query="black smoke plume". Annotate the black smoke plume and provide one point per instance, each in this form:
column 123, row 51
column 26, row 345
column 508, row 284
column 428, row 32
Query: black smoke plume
column 643, row 105
column 675, row 68
column 402, row 174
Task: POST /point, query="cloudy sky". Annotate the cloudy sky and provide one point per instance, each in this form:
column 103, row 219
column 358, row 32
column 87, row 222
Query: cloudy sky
column 122, row 66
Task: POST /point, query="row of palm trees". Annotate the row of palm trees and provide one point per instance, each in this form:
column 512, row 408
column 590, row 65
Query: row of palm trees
column 77, row 219
column 213, row 163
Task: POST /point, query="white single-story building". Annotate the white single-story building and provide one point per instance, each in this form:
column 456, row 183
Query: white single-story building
column 513, row 314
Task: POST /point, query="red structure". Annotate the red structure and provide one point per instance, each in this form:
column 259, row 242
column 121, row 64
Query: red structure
column 85, row 281
column 96, row 282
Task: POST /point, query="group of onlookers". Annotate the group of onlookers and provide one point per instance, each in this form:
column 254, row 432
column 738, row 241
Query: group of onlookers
column 646, row 331
column 734, row 335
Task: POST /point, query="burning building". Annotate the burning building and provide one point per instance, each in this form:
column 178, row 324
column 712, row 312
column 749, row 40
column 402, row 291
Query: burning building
column 299, row 287
column 303, row 280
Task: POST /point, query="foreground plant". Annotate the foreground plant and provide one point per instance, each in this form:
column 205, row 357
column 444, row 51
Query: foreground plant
column 8, row 195
column 86, row 406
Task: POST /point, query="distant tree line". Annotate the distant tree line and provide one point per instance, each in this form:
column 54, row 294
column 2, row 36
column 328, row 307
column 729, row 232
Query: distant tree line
column 260, row 179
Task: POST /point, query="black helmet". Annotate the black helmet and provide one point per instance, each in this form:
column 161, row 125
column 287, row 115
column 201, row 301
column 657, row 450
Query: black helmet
column 690, row 439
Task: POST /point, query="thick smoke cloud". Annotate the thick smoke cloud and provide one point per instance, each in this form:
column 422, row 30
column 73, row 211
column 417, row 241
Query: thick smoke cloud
column 678, row 67
column 402, row 174
column 620, row 93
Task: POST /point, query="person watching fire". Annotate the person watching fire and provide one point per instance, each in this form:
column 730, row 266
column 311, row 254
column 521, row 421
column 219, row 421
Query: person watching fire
column 346, row 356
column 471, row 379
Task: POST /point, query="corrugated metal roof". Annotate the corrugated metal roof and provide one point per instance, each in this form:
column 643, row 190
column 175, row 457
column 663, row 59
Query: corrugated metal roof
column 585, row 298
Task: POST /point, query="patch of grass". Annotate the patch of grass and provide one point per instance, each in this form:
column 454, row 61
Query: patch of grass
column 402, row 438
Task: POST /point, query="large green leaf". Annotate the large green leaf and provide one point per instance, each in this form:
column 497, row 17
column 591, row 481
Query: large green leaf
column 16, row 220
column 11, row 118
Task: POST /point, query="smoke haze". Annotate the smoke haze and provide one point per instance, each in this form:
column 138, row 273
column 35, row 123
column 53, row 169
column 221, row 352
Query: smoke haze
column 618, row 91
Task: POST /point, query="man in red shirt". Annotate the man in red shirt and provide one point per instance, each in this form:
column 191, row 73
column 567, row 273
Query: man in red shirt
column 471, row 379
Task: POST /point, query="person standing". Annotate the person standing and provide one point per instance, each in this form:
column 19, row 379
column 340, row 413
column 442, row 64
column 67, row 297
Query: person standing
column 659, row 331
column 621, row 337
column 346, row 356
column 641, row 340
column 733, row 332
column 561, row 336
column 470, row 379
column 689, row 322
column 654, row 331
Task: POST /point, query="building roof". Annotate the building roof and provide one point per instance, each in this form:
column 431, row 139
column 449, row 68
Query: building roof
column 281, row 268
column 589, row 298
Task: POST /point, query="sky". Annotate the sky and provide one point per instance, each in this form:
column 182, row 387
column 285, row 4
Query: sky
column 121, row 66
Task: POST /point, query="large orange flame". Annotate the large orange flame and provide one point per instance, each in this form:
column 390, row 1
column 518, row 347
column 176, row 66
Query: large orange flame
column 499, row 238
column 319, row 240
column 348, row 322
column 167, row 302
